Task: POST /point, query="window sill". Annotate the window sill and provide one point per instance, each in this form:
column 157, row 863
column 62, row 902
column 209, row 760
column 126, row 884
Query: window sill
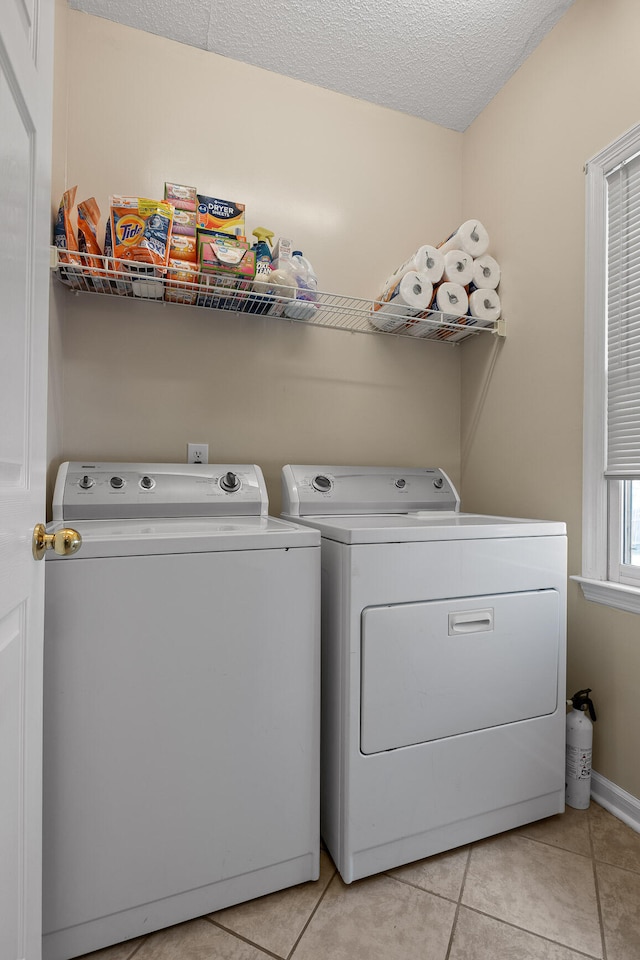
column 618, row 595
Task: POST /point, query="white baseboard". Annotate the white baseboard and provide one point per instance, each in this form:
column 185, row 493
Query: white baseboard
column 617, row 801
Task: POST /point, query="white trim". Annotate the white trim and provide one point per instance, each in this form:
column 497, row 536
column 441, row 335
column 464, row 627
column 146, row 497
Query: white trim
column 614, row 552
column 595, row 499
column 617, row 801
column 619, row 595
column 617, row 151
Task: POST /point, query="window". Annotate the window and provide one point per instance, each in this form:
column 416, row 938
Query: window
column 611, row 493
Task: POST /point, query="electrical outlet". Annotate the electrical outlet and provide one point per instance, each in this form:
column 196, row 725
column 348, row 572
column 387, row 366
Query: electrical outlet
column 197, row 453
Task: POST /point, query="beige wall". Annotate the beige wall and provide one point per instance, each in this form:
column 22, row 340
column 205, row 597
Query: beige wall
column 357, row 187
column 522, row 408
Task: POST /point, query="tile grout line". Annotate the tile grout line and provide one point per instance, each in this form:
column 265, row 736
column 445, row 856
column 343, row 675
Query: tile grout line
column 140, row 945
column 597, row 889
column 616, row 866
column 416, row 886
column 313, row 913
column 555, row 846
column 531, row 933
column 238, row 936
column 458, row 905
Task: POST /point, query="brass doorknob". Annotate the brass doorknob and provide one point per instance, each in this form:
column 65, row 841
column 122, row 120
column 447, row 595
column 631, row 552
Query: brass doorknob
column 63, row 542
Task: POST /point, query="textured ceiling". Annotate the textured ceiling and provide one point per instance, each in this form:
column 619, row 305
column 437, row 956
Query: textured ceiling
column 442, row 60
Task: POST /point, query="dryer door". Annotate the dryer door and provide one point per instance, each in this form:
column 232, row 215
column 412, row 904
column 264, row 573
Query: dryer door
column 447, row 667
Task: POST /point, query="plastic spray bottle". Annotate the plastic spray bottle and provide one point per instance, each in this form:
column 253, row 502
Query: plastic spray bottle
column 262, row 249
column 261, row 303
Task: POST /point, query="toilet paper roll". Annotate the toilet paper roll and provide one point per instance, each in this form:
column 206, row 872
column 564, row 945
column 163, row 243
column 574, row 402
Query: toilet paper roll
column 458, row 267
column 411, row 294
column 484, row 305
column 451, row 301
column 486, row 273
column 427, row 261
column 471, row 237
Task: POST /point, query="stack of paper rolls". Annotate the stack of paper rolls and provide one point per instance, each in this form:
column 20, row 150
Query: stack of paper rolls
column 480, row 280
column 458, row 268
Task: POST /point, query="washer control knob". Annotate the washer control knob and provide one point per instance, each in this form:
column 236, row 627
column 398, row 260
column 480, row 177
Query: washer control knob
column 230, row 482
column 321, row 483
column 147, row 483
column 401, row 484
column 86, row 482
column 438, row 483
column 117, row 483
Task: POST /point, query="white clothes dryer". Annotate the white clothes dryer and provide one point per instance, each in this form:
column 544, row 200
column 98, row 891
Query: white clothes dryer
column 181, row 737
column 443, row 664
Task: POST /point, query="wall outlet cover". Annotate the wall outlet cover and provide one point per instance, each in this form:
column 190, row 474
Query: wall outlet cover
column 197, row 453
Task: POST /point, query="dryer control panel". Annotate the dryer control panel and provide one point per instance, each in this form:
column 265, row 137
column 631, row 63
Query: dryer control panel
column 319, row 490
column 94, row 490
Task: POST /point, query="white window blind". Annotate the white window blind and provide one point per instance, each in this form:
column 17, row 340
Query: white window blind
column 623, row 320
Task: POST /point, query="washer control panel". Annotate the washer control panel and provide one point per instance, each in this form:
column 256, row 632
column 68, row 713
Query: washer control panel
column 95, row 490
column 315, row 490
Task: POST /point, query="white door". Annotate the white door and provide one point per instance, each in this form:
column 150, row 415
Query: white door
column 26, row 50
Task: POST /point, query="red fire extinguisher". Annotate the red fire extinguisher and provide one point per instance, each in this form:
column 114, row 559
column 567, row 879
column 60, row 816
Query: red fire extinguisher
column 579, row 748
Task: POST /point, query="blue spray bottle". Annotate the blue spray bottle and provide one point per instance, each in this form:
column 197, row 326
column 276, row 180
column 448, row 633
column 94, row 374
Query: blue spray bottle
column 262, row 248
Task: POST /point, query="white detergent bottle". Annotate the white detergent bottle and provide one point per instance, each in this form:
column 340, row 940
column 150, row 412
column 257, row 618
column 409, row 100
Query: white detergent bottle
column 579, row 747
column 304, row 306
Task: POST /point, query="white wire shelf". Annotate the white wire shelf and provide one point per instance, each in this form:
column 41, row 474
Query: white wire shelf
column 106, row 276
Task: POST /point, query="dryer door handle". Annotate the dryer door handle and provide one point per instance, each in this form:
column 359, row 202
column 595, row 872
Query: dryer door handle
column 470, row 621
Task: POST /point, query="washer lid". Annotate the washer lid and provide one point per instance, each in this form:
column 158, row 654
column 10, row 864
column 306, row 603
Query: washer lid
column 141, row 538
column 429, row 525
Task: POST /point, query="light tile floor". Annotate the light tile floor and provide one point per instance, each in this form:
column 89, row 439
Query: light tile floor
column 565, row 888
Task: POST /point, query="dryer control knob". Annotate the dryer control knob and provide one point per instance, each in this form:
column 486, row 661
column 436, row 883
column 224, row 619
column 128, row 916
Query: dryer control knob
column 438, row 483
column 86, row 482
column 321, row 483
column 230, row 482
column 117, row 483
column 147, row 483
column 401, row 484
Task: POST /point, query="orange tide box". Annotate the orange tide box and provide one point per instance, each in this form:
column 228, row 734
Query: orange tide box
column 219, row 253
column 222, row 215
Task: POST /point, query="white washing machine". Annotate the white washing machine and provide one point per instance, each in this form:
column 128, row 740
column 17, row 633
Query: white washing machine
column 443, row 664
column 182, row 701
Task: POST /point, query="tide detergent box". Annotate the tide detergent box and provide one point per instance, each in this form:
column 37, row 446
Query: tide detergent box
column 222, row 215
column 220, row 253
